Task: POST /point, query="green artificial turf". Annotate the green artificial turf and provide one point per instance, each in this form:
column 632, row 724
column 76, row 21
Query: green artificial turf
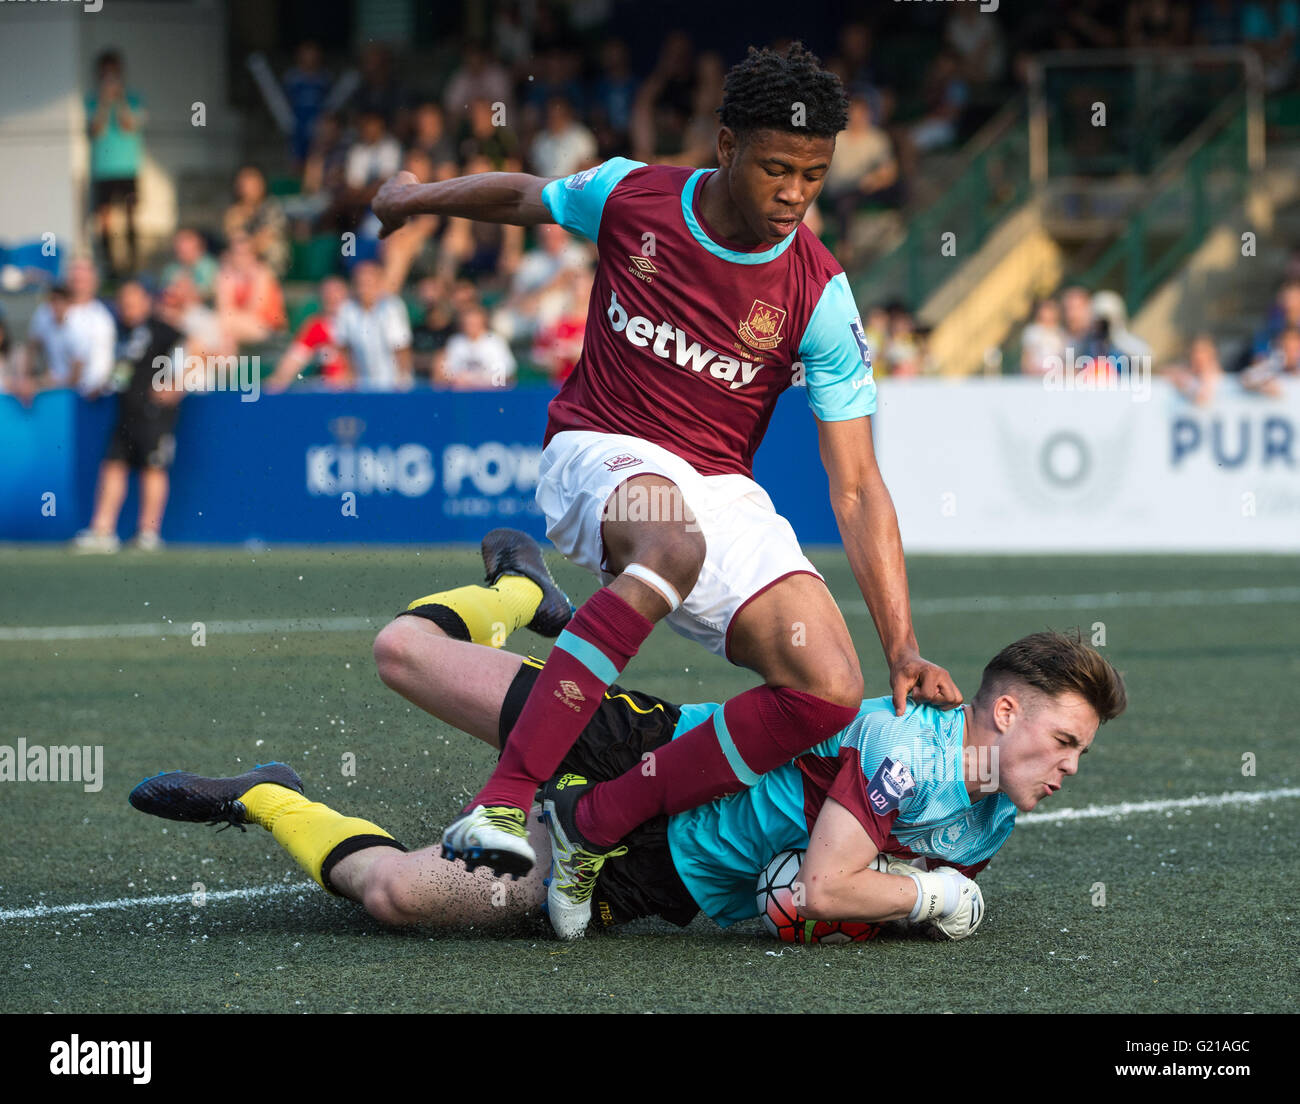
column 1199, row 902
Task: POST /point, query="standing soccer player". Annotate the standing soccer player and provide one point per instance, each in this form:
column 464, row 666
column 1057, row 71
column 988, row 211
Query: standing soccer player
column 710, row 299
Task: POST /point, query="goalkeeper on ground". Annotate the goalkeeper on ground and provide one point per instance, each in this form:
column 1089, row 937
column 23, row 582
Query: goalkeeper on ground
column 896, row 814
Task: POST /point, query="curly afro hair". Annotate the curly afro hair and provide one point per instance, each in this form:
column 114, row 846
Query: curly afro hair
column 761, row 93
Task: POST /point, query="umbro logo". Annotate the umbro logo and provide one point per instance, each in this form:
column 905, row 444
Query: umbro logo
column 642, row 268
column 570, row 694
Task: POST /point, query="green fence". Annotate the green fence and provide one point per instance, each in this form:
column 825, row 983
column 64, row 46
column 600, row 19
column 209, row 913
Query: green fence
column 1130, row 115
column 992, row 183
column 1201, row 182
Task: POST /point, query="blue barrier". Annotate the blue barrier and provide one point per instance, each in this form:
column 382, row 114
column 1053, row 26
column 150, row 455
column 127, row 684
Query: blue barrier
column 423, row 467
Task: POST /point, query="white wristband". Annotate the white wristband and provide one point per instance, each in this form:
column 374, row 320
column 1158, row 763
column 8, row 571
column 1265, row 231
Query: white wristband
column 930, row 900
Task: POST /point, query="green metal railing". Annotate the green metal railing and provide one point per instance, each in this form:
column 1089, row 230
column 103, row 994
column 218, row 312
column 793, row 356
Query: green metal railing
column 993, row 182
column 1198, row 184
column 1149, row 102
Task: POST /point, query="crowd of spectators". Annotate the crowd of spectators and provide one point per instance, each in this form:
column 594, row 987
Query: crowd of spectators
column 1274, row 351
column 1074, row 325
column 294, row 268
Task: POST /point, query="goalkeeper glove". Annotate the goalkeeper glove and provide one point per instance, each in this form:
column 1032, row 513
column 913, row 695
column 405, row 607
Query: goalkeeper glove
column 948, row 903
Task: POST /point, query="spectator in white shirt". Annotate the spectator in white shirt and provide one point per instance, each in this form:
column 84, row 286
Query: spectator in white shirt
column 376, row 332
column 476, row 359
column 375, row 157
column 76, row 335
column 1112, row 318
column 1044, row 337
column 565, row 145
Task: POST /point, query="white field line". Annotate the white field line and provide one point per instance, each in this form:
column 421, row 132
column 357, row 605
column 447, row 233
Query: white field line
column 1088, row 812
column 183, row 629
column 1238, row 596
column 989, row 603
column 1128, row 808
column 38, row 912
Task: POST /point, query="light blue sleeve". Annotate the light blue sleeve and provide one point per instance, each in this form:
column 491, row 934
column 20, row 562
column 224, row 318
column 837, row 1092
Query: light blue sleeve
column 576, row 202
column 836, row 360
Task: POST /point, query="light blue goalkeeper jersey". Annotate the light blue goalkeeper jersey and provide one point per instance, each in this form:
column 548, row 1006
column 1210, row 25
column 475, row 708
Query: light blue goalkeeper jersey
column 900, row 776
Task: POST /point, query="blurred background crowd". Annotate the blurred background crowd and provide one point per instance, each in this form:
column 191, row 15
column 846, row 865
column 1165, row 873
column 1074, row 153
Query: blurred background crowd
column 290, row 267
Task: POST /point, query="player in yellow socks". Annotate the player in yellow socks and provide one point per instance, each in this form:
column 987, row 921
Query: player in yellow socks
column 353, row 857
column 519, row 592
column 346, row 855
column 1040, row 703
column 271, row 795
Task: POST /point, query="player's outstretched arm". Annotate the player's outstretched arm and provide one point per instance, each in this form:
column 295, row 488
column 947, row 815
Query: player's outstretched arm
column 846, row 878
column 868, row 525
column 840, row 877
column 514, row 198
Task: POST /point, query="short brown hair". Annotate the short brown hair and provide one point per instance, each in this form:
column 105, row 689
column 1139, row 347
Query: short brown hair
column 1057, row 663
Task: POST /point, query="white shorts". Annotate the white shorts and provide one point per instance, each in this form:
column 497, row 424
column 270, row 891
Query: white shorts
column 749, row 545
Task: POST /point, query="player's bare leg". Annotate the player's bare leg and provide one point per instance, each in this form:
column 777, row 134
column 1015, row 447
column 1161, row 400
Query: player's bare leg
column 424, row 888
column 347, row 856
column 110, row 493
column 655, row 550
column 109, row 496
column 668, row 542
column 154, row 488
column 456, row 681
column 794, row 635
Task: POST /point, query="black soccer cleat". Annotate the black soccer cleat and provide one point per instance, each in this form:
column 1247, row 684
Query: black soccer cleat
column 510, row 552
column 180, row 795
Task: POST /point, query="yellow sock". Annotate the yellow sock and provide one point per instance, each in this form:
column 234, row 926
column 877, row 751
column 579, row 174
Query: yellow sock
column 308, row 830
column 492, row 613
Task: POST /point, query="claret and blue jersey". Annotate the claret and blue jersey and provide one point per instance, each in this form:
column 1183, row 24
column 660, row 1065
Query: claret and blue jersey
column 691, row 339
column 900, row 776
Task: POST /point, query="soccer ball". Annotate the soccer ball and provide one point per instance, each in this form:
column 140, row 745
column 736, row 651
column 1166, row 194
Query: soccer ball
column 778, row 900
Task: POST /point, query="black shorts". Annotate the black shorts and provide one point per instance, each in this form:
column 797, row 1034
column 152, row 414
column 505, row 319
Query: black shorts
column 143, row 437
column 112, row 191
column 644, row 882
